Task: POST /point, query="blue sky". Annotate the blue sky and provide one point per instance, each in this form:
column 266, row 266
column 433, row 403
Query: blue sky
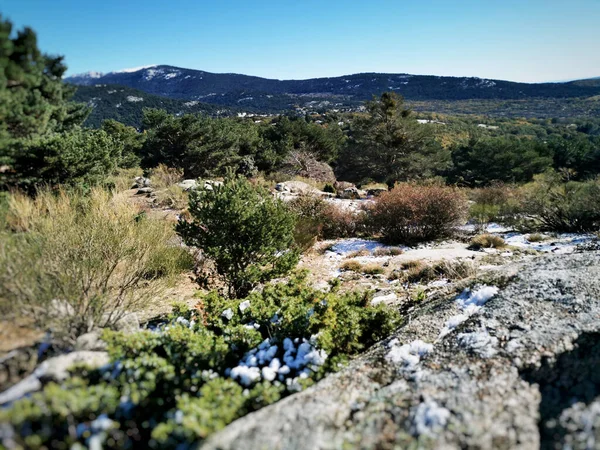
column 524, row 40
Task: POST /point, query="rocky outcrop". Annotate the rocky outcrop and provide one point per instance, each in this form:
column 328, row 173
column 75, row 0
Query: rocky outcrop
column 520, row 371
column 54, row 369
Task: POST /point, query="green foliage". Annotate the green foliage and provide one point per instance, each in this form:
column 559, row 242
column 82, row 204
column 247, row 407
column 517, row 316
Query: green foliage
column 33, row 100
column 295, row 133
column 110, row 102
column 201, row 146
column 48, row 416
column 481, row 161
column 170, row 388
column 412, row 213
column 81, row 158
column 247, row 233
column 129, row 138
column 342, row 323
column 554, row 204
column 73, row 263
column 389, row 145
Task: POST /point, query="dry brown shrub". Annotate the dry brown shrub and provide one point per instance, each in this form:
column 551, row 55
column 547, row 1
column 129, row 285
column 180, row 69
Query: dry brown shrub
column 413, row 213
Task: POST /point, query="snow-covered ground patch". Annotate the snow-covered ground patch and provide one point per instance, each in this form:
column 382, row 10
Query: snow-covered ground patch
column 561, row 243
column 346, row 246
column 134, row 99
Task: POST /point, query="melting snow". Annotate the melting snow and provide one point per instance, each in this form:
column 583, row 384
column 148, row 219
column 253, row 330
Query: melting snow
column 131, row 98
column 408, row 355
column 470, row 302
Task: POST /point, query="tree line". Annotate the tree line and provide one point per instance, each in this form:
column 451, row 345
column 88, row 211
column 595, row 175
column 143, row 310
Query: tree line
column 43, row 140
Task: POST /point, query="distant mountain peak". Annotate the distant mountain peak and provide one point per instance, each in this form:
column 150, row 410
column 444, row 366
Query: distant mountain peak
column 87, row 75
column 135, row 69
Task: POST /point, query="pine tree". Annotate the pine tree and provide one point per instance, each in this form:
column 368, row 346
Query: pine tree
column 389, row 145
column 33, row 99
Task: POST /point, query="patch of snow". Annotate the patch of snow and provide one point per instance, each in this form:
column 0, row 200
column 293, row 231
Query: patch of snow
column 171, row 75
column 480, row 342
column 149, row 74
column 244, row 305
column 438, row 283
column 562, row 244
column 346, row 246
column 245, row 374
column 300, row 360
column 384, row 298
column 470, row 302
column 134, row 69
column 430, row 418
column 409, row 355
column 132, row 98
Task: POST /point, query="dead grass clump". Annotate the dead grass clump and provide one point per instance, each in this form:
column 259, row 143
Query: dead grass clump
column 358, row 253
column 172, row 197
column 351, row 266
column 163, row 177
column 536, row 237
column 388, row 251
column 486, row 241
column 73, row 263
column 367, row 269
column 420, row 272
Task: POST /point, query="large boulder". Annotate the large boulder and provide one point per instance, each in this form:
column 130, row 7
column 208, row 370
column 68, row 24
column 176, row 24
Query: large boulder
column 521, row 371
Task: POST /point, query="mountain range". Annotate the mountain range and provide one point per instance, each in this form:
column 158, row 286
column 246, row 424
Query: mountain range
column 270, row 95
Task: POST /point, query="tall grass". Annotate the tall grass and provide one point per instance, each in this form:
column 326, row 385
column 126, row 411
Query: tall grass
column 73, row 263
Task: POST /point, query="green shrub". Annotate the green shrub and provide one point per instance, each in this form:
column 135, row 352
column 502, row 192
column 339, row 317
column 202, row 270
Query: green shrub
column 329, row 189
column 73, row 263
column 552, row 204
column 244, row 230
column 411, row 213
column 486, row 241
column 174, row 386
column 81, row 158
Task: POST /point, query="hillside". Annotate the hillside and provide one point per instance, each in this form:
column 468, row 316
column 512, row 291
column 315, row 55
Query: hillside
column 270, row 95
column 125, row 104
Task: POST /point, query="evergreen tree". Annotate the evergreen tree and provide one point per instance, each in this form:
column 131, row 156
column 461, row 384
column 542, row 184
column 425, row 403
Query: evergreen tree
column 388, row 144
column 33, row 99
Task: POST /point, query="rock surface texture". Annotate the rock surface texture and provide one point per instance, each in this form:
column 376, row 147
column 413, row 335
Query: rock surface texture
column 521, row 372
